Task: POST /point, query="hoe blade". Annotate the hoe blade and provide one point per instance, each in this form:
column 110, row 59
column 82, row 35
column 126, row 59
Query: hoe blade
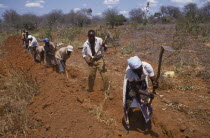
column 168, row 48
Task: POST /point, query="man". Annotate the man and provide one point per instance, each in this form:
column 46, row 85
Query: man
column 40, row 53
column 23, row 36
column 93, row 55
column 135, row 89
column 49, row 53
column 26, row 41
column 62, row 55
column 32, row 46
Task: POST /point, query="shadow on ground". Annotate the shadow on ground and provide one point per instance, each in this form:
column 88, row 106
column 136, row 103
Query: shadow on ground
column 137, row 123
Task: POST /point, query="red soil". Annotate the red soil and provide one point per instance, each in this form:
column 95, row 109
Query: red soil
column 63, row 107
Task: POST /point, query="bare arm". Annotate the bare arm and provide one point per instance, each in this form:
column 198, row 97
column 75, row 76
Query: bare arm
column 154, row 83
column 136, row 88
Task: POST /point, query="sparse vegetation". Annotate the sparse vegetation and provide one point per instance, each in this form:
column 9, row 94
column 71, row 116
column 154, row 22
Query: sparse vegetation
column 186, row 30
column 21, row 88
column 128, row 49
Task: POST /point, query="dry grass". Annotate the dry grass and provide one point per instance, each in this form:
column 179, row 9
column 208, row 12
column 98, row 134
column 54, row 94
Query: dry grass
column 167, row 83
column 20, row 89
column 101, row 115
column 99, row 112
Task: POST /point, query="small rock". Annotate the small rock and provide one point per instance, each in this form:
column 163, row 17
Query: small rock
column 80, row 100
column 169, row 74
column 67, row 85
column 182, row 128
column 47, row 127
column 161, row 96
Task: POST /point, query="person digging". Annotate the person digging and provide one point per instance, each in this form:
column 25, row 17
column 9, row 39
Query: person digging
column 49, row 54
column 135, row 88
column 32, row 46
column 61, row 56
column 92, row 53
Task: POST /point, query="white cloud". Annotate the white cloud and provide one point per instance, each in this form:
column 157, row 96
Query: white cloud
column 37, row 4
column 183, row 1
column 3, row 6
column 99, row 13
column 153, row 1
column 123, row 12
column 41, row 1
column 109, row 6
column 111, row 2
column 76, row 9
column 202, row 2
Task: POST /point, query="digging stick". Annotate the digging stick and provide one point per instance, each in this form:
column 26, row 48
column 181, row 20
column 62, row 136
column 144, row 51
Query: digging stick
column 163, row 48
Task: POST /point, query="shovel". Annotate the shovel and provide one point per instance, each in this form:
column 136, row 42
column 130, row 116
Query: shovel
column 163, row 48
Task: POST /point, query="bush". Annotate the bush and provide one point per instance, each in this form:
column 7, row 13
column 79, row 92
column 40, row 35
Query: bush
column 128, row 49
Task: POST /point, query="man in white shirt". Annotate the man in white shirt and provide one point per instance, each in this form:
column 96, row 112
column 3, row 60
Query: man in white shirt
column 32, row 46
column 93, row 54
column 136, row 85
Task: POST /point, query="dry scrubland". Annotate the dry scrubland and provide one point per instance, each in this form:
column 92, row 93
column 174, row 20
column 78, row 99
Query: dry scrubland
column 182, row 110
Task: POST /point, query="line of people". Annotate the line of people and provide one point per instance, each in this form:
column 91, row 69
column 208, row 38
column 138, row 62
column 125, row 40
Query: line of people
column 135, row 87
column 47, row 53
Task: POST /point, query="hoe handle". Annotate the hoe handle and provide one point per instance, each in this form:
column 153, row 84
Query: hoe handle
column 158, row 73
column 105, row 39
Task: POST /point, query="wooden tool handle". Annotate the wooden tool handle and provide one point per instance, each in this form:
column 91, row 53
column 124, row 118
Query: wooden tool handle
column 158, row 73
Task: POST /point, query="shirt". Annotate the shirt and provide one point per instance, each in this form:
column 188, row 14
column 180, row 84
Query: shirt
column 50, row 49
column 39, row 49
column 62, row 54
column 87, row 50
column 147, row 71
column 23, row 35
column 33, row 42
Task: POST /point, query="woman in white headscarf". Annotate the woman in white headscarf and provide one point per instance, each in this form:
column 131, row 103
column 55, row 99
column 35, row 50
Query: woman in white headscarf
column 136, row 85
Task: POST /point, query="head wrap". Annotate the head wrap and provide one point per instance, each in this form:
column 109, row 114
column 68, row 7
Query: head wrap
column 69, row 48
column 134, row 62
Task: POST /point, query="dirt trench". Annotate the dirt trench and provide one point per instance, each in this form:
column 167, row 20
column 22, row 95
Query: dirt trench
column 63, row 108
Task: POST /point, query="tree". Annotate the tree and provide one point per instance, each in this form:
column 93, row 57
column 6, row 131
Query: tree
column 164, row 11
column 191, row 10
column 11, row 17
column 120, row 19
column 55, row 16
column 83, row 16
column 157, row 15
column 29, row 21
column 112, row 17
column 171, row 11
column 174, row 12
column 136, row 15
column 204, row 12
column 97, row 20
column 79, row 18
column 170, row 14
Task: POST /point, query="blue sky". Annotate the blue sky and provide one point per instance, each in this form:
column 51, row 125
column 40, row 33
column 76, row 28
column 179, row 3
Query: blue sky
column 40, row 7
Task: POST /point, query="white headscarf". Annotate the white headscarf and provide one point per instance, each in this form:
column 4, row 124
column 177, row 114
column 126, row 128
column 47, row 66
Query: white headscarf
column 134, row 62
